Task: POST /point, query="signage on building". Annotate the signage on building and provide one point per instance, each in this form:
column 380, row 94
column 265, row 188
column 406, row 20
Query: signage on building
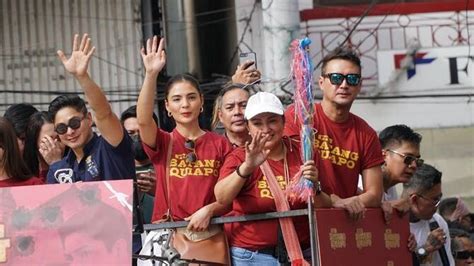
column 434, row 71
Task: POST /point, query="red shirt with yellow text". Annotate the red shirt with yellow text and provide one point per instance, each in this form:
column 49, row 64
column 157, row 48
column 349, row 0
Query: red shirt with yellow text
column 191, row 184
column 345, row 150
column 255, row 197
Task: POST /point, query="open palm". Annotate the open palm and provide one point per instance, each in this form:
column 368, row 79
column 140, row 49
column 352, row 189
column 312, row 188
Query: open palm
column 78, row 63
column 255, row 153
column 154, row 57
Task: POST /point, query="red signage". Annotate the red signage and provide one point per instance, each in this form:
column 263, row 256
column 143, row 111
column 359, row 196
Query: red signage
column 71, row 224
column 369, row 241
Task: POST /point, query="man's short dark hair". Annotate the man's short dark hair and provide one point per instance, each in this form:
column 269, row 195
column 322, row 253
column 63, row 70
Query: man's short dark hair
column 132, row 112
column 19, row 114
column 396, row 134
column 63, row 101
column 447, row 207
column 424, row 179
column 344, row 53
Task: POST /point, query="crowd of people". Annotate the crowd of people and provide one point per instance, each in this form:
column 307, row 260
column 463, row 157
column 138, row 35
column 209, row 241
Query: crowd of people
column 193, row 175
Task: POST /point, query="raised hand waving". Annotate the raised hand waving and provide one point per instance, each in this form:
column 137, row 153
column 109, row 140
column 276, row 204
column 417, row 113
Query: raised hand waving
column 78, row 63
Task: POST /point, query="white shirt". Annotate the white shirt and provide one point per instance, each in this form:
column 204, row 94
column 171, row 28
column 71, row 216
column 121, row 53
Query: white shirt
column 421, row 230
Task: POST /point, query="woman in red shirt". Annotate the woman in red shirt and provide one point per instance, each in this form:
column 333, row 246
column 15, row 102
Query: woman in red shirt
column 243, row 183
column 187, row 160
column 13, row 170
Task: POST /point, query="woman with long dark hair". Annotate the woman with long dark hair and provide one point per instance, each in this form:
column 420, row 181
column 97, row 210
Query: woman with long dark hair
column 13, row 170
column 187, row 160
column 42, row 148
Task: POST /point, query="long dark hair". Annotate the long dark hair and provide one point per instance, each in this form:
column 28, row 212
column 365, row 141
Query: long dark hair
column 11, row 162
column 30, row 153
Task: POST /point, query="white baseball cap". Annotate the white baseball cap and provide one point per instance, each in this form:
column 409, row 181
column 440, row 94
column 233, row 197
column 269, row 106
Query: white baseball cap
column 263, row 102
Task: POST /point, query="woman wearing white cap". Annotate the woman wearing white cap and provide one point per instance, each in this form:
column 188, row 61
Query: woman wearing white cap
column 243, row 183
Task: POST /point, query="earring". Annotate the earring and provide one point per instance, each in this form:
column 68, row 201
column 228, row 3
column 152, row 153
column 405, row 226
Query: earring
column 169, row 114
column 202, row 109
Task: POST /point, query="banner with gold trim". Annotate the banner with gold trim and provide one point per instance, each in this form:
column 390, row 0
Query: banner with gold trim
column 370, row 241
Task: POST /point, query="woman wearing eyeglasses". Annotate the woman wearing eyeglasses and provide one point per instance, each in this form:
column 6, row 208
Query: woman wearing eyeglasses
column 244, row 184
column 13, row 170
column 187, row 160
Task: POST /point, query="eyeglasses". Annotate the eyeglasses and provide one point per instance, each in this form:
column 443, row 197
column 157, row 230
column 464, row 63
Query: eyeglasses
column 434, row 202
column 191, row 157
column 464, row 255
column 338, row 78
column 409, row 159
column 73, row 123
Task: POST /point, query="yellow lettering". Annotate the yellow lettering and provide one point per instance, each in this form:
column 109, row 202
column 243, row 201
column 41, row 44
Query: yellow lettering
column 265, row 193
column 198, row 171
column 198, row 163
column 316, row 143
column 262, row 184
column 324, row 154
column 216, row 172
column 335, row 151
column 173, row 163
column 182, row 164
column 175, row 172
column 350, row 164
column 354, row 156
column 324, row 146
column 209, row 163
column 345, row 153
column 208, row 171
column 341, row 161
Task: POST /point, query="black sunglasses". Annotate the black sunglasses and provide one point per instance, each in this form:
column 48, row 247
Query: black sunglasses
column 338, row 78
column 73, row 123
column 409, row 159
column 191, row 157
column 464, row 255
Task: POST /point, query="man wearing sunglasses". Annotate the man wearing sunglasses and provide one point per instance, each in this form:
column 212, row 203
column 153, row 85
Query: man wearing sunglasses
column 91, row 157
column 347, row 145
column 423, row 194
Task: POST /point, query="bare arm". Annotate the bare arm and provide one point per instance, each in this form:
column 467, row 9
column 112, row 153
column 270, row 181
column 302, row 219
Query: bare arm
column 373, row 187
column 154, row 60
column 228, row 188
column 106, row 120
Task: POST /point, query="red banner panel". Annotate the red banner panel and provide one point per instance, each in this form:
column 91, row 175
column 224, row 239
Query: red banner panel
column 70, row 224
column 370, row 241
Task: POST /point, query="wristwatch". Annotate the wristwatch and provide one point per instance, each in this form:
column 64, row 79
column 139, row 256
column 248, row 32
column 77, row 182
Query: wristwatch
column 421, row 254
column 318, row 189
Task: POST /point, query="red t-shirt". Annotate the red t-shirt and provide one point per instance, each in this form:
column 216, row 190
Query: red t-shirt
column 191, row 184
column 345, row 149
column 16, row 183
column 255, row 197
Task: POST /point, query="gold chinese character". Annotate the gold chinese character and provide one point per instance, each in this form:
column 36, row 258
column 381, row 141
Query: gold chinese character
column 4, row 244
column 392, row 240
column 363, row 239
column 338, row 240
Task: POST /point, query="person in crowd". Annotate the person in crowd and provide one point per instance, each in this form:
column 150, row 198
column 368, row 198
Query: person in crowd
column 423, row 193
column 19, row 114
column 91, row 157
column 347, row 145
column 243, row 183
column 187, row 160
column 146, row 181
column 246, row 74
column 456, row 213
column 401, row 151
column 13, row 170
column 229, row 108
column 42, row 147
column 462, row 247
